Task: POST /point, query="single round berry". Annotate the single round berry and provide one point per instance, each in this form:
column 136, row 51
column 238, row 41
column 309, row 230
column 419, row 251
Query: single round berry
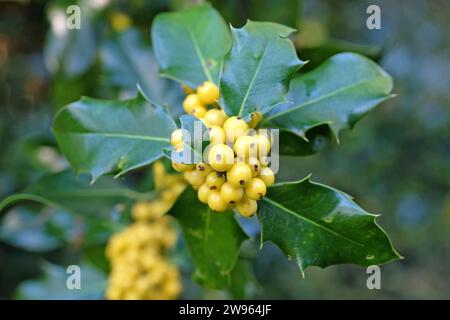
column 230, row 193
column 215, row 201
column 203, row 193
column 176, row 138
column 191, row 102
column 181, row 167
column 263, row 145
column 267, row 176
column 239, row 174
column 255, row 189
column 245, row 147
column 215, row 180
column 254, row 165
column 198, row 111
column 235, row 127
column 194, row 177
column 208, row 92
column 246, row 207
column 203, row 168
column 216, row 135
column 264, row 161
column 215, row 117
column 221, row 157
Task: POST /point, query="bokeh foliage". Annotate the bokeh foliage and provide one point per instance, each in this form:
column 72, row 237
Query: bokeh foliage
column 398, row 159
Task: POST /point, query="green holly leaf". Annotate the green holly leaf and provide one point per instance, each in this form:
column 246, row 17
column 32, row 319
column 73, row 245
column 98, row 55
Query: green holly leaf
column 214, row 239
column 110, row 136
column 75, row 194
column 257, row 70
column 316, row 225
column 191, row 44
column 338, row 93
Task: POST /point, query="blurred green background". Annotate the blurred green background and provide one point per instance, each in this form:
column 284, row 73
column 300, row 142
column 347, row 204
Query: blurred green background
column 396, row 162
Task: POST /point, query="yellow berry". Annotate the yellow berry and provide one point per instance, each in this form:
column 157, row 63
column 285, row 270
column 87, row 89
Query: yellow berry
column 215, row 201
column 176, row 139
column 215, row 180
column 198, row 111
column 255, row 118
column 215, row 117
column 159, row 174
column 264, row 161
column 221, row 157
column 216, row 135
column 235, row 127
column 231, row 193
column 239, row 174
column 267, row 176
column 254, row 165
column 245, row 147
column 203, row 168
column 202, row 119
column 191, row 102
column 120, row 21
column 246, row 207
column 194, row 177
column 141, row 211
column 203, row 193
column 255, row 189
column 208, row 92
column 263, row 144
column 182, row 167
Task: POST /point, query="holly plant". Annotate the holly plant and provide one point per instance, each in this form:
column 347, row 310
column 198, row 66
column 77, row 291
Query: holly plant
column 242, row 85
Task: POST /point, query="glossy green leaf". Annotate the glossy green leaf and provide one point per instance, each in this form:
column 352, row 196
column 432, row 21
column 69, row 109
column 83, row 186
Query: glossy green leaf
column 316, row 225
column 214, row 239
column 191, row 44
column 75, row 194
column 338, row 93
column 257, row 70
column 104, row 136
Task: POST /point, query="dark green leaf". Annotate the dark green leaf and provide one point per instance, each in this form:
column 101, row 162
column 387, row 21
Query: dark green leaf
column 214, row 239
column 316, row 225
column 103, row 136
column 191, row 44
column 75, row 194
column 257, row 70
column 338, row 93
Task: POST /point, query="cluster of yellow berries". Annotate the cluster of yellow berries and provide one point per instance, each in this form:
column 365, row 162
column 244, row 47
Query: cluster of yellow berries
column 236, row 171
column 140, row 268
